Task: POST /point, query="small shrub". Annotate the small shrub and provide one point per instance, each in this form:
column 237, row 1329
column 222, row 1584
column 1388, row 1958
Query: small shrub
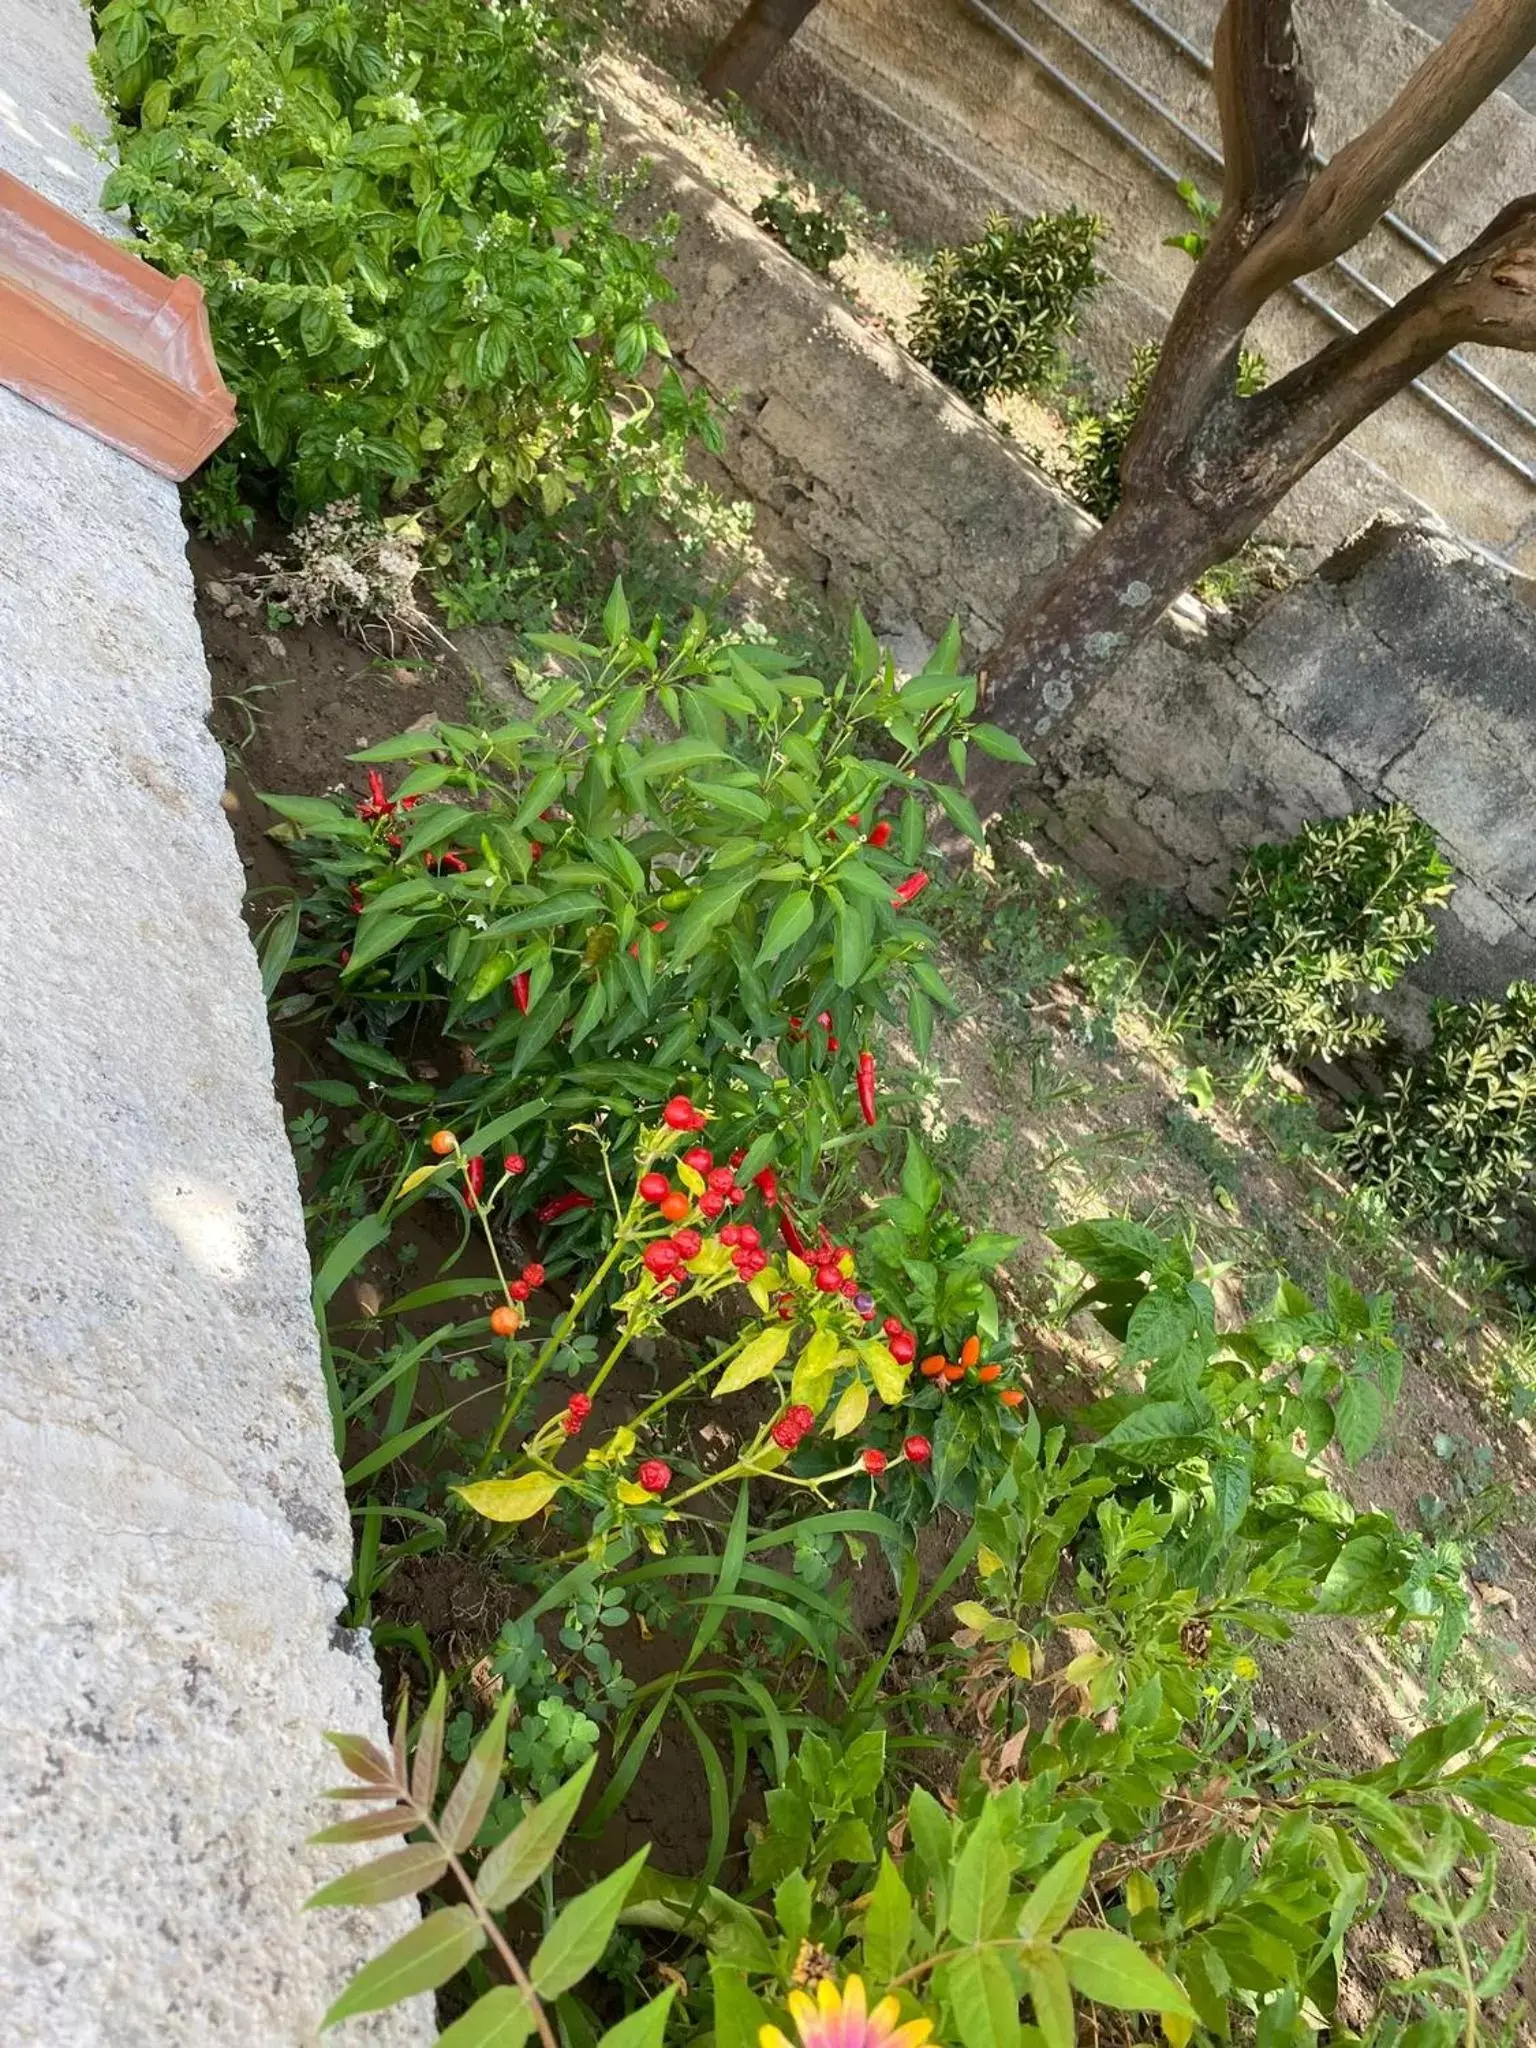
column 407, row 285
column 1309, row 927
column 811, row 233
column 994, row 312
column 677, row 861
column 1452, row 1142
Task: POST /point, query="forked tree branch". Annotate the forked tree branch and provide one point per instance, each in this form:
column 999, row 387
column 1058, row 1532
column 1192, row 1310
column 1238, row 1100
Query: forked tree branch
column 1487, row 294
column 1351, row 193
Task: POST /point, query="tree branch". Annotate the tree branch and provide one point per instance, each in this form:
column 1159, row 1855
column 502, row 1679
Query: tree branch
column 1266, row 103
column 1487, row 293
column 1351, row 193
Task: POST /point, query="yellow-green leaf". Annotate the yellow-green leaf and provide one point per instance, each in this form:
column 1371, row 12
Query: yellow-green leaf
column 756, row 1361
column 890, row 1377
column 420, row 1960
column 414, row 1180
column 971, row 1614
column 394, row 1876
column 510, row 1500
column 1111, row 1970
column 851, row 1409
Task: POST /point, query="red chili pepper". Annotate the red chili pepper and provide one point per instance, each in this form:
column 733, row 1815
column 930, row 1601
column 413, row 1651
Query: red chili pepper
column 377, row 805
column 912, row 887
column 881, row 834
column 561, row 1205
column 767, row 1183
column 520, row 993
column 474, row 1173
column 790, row 1235
column 866, row 1086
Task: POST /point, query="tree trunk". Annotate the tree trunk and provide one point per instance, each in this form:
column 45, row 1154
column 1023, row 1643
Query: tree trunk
column 1102, row 604
column 746, row 51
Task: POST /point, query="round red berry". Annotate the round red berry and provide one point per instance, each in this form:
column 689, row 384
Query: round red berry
column 580, row 1405
column 827, row 1280
column 746, row 1233
column 681, row 1115
column 654, row 1187
column 723, row 1178
column 892, row 1326
column 786, row 1435
column 802, row 1417
column 904, row 1348
column 519, row 1290
column 737, row 1156
column 917, row 1450
column 731, row 1234
column 533, row 1273
column 711, row 1203
column 873, row 1462
column 655, row 1475
column 700, row 1160
column 514, row 1163
column 662, row 1257
column 688, row 1243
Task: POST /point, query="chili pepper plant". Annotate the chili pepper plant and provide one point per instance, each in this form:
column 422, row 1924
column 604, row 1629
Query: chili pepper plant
column 679, row 864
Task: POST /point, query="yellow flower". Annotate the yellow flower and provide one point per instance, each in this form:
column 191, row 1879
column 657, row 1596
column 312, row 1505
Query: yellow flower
column 1244, row 1667
column 839, row 2019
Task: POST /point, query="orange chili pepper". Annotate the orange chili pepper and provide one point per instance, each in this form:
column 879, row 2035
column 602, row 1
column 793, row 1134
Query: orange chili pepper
column 989, row 1373
column 933, row 1365
column 970, row 1351
column 1011, row 1397
column 955, row 1372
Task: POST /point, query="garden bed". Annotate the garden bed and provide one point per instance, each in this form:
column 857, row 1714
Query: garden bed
column 1063, row 1094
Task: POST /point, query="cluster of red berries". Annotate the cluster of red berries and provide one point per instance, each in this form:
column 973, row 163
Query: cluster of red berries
column 531, row 1276
column 746, row 1249
column 577, row 1409
column 793, row 1427
column 720, row 1188
column 915, row 1449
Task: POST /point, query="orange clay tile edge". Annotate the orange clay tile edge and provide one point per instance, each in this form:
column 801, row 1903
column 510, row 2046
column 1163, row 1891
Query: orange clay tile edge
column 92, row 334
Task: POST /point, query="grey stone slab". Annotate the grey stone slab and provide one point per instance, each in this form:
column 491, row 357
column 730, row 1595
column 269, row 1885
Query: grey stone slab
column 174, row 1541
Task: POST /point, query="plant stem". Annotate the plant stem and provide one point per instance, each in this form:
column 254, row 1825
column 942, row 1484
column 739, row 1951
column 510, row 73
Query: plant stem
column 498, row 1941
column 1463, row 1963
column 552, row 1344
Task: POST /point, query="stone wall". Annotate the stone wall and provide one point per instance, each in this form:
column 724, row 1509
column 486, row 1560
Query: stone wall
column 926, row 111
column 1401, row 670
column 174, row 1542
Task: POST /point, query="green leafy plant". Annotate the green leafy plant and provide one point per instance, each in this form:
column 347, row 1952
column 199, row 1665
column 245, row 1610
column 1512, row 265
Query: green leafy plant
column 928, row 1265
column 407, row 286
column 811, row 233
column 1451, row 1143
column 994, row 313
column 450, row 1937
column 1203, row 212
column 1315, row 924
column 677, row 857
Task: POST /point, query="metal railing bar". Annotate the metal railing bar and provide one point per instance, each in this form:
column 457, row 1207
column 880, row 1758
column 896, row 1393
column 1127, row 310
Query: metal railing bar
column 1213, row 157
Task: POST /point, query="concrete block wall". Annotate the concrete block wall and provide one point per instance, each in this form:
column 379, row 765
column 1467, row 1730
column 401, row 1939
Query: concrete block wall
column 174, row 1542
column 1402, row 669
